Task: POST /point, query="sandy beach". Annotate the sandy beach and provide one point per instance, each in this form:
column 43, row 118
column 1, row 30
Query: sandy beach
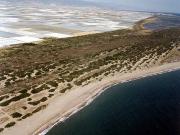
column 62, row 107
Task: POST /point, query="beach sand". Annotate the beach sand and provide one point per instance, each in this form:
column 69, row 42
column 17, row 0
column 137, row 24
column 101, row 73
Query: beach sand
column 64, row 106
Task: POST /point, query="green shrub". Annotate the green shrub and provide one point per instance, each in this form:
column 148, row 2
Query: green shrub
column 29, row 99
column 1, row 129
column 4, row 97
column 7, row 83
column 34, row 103
column 41, row 88
column 43, row 99
column 2, row 78
column 24, row 107
column 51, row 95
column 52, row 90
column 38, row 73
column 27, row 115
column 39, row 108
column 52, row 83
column 16, row 115
column 23, row 91
column 16, row 98
column 10, row 124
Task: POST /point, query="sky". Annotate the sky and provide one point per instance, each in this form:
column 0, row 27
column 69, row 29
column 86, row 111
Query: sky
column 145, row 5
column 140, row 5
column 137, row 5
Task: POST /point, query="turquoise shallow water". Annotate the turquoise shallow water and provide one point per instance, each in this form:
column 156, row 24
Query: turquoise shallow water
column 149, row 106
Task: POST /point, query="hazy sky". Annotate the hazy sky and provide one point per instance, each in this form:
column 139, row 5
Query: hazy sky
column 149, row 5
column 144, row 5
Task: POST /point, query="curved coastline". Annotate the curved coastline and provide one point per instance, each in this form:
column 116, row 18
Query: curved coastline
column 74, row 110
column 43, row 126
column 145, row 73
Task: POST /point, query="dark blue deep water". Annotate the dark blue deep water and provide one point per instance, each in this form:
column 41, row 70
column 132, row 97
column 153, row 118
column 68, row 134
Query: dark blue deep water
column 149, row 106
column 164, row 22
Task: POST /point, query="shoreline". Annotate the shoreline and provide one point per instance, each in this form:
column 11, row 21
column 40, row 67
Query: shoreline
column 62, row 107
column 147, row 73
column 76, row 109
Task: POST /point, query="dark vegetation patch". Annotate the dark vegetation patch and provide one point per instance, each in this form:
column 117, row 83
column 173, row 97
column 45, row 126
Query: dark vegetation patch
column 52, row 83
column 35, row 111
column 7, row 83
column 16, row 115
column 4, row 97
column 50, row 95
column 24, row 107
column 72, row 57
column 39, row 89
column 29, row 99
column 10, row 124
column 69, row 86
column 52, row 90
column 34, row 103
column 23, row 91
column 2, row 78
column 26, row 115
column 39, row 108
column 14, row 99
column 1, row 129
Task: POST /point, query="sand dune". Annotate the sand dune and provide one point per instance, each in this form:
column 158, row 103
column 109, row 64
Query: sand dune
column 64, row 106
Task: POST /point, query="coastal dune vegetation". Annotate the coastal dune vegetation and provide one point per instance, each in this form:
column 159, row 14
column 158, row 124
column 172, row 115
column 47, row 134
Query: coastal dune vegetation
column 32, row 74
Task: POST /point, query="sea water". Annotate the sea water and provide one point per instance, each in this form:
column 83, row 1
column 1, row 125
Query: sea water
column 148, row 106
column 164, row 22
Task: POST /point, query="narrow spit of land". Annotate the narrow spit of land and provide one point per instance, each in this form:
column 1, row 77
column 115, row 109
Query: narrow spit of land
column 40, row 82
